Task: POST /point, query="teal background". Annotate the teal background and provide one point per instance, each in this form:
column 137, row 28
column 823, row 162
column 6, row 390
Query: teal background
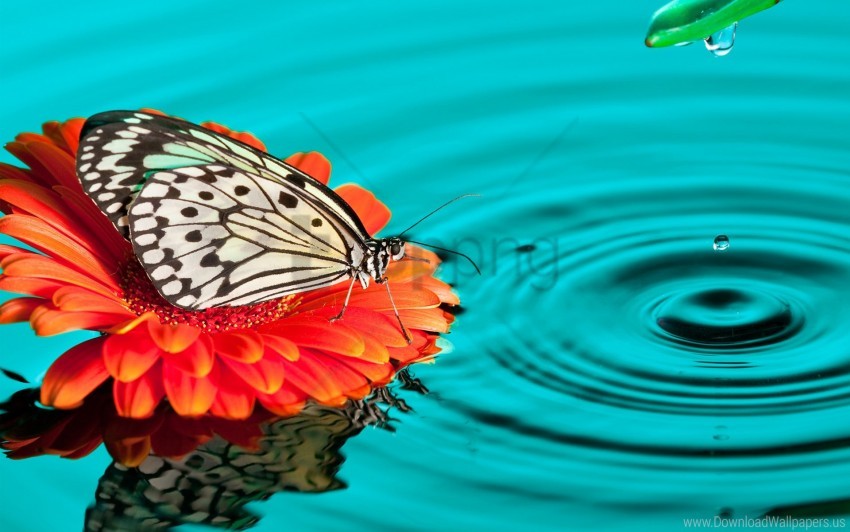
column 562, row 403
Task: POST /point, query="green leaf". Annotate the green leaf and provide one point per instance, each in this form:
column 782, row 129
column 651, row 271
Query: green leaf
column 684, row 21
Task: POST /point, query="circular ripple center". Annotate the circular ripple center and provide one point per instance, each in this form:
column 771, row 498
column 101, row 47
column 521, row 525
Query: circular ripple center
column 724, row 317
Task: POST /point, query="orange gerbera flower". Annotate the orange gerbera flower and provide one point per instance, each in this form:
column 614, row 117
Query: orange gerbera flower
column 220, row 361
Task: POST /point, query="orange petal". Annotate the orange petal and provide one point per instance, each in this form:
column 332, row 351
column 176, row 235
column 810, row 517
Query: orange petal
column 7, row 171
column 375, row 298
column 430, row 347
column 421, row 254
column 59, row 163
column 38, row 267
column 417, row 262
column 65, row 135
column 321, row 382
column 283, row 347
column 31, row 137
column 196, row 360
column 420, row 347
column 234, row 400
column 313, row 163
column 45, row 238
column 74, row 375
column 111, row 248
column 318, row 333
column 129, row 356
column 371, row 212
column 71, row 130
column 405, row 297
column 48, row 321
column 189, row 396
column 47, row 205
column 405, row 271
column 353, row 383
column 75, row 299
column 19, row 309
column 51, row 131
column 378, row 374
column 382, row 327
column 287, row 401
column 438, row 287
column 128, row 325
column 36, row 287
column 432, row 320
column 6, row 250
column 247, row 138
column 374, row 351
column 265, row 375
column 233, row 405
column 172, row 338
column 50, row 163
column 245, row 346
column 152, row 111
column 139, row 398
column 405, row 355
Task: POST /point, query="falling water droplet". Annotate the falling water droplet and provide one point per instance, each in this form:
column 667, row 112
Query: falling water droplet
column 720, row 43
column 721, row 243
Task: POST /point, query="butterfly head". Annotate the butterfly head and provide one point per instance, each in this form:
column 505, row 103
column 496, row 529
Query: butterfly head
column 395, row 247
column 379, row 254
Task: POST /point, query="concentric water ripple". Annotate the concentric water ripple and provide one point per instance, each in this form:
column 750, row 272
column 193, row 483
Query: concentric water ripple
column 648, row 316
column 659, row 352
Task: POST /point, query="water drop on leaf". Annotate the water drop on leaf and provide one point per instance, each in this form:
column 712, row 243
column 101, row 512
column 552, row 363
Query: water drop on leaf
column 720, row 43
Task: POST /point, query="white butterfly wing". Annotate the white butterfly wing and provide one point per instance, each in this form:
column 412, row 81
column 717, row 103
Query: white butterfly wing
column 215, row 222
column 120, row 150
column 215, row 235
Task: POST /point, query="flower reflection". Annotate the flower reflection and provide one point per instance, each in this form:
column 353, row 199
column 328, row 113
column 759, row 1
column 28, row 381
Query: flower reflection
column 170, row 470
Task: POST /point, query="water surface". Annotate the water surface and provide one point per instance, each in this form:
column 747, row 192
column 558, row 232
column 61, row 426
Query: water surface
column 610, row 368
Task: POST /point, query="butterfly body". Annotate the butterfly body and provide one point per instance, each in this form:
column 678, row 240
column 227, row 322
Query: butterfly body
column 215, row 222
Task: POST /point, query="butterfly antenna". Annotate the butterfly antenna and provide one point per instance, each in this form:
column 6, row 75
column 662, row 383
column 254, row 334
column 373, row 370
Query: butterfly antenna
column 444, row 205
column 432, row 246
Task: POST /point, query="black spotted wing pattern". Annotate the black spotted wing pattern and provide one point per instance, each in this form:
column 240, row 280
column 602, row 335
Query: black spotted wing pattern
column 215, row 236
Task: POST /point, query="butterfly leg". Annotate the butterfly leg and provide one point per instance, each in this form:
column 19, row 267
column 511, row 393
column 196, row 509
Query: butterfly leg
column 385, row 281
column 347, row 297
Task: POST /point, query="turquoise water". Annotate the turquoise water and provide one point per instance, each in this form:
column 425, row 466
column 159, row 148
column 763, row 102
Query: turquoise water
column 610, row 368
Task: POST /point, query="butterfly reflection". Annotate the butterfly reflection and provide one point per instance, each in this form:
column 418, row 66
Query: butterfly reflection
column 170, row 470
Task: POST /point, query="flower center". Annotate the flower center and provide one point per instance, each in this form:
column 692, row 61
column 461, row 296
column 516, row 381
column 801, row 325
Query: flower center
column 142, row 297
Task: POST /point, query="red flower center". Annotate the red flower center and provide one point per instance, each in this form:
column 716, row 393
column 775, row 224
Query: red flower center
column 142, row 297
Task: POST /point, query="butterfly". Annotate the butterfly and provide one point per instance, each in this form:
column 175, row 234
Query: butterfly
column 216, row 222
